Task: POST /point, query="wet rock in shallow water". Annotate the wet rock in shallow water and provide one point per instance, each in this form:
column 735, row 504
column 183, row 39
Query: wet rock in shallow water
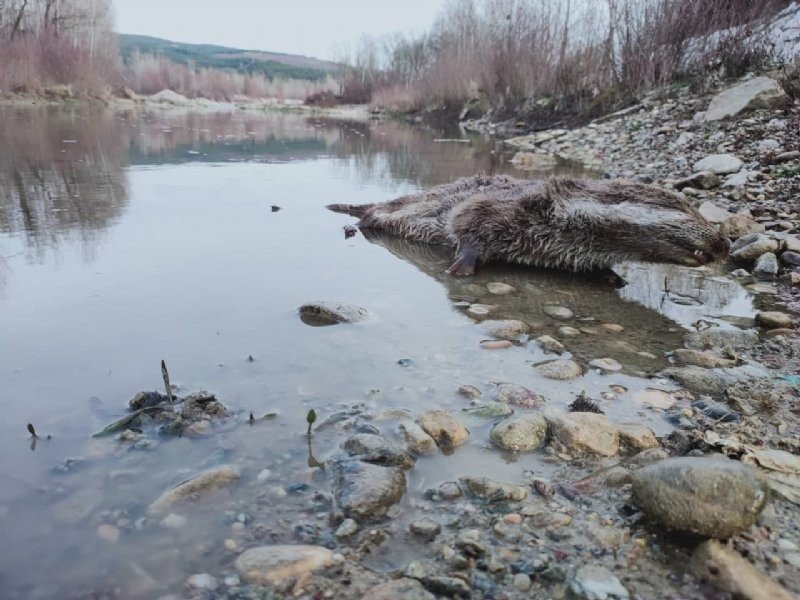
column 449, row 490
column 637, row 436
column 77, row 507
column 766, row 266
column 417, row 440
column 731, row 573
column 378, row 450
column 264, row 565
column 500, row 289
column 584, row 432
column 550, row 344
column 713, row 497
column 496, row 344
column 703, row 381
column 562, row 369
column 320, row 314
column 364, row 491
column 716, row 411
column 490, row 410
column 558, row 312
column 193, row 488
column 698, row 358
column 597, row 583
column 108, row 533
column 493, row 491
column 517, row 395
column 470, row 391
column 657, row 399
column 790, row 259
column 509, row 329
column 748, row 248
column 734, row 339
column 399, row 589
column 521, row 434
column 719, row 164
column 202, row 581
column 774, row 320
column 443, row 427
column 608, row 365
column 480, row 311
column 425, row 528
column 347, row 528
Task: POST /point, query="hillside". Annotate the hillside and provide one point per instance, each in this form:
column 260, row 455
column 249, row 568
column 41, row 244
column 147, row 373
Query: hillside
column 270, row 64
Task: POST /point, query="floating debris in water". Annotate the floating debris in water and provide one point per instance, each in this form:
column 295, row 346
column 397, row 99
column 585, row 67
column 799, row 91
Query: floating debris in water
column 585, row 404
column 275, row 208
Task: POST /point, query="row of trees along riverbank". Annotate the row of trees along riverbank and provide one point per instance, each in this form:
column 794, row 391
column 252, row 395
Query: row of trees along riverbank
column 564, row 57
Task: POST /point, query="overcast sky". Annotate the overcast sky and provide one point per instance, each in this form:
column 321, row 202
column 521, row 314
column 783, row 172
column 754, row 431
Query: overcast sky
column 310, row 27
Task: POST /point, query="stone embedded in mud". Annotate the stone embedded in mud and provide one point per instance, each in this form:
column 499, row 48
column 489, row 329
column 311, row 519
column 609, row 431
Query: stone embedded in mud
column 558, row 312
column 703, row 381
column 517, row 395
column 584, row 432
column 774, row 320
column 265, row 565
column 719, row 164
column 191, row 489
column 592, row 582
column 606, row 364
column 500, row 289
column 550, row 344
column 731, row 573
column 637, row 436
column 399, row 589
column 733, row 339
column 508, row 329
column 493, row 491
column 563, row 369
column 713, row 497
column 320, row 314
column 521, row 434
column 416, row 439
column 443, row 427
column 698, row 358
column 366, row 492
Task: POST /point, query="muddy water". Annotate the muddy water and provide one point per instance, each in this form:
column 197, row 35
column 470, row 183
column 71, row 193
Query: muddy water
column 128, row 238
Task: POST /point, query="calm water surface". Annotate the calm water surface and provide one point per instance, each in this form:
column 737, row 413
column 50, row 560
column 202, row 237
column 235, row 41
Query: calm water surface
column 128, row 238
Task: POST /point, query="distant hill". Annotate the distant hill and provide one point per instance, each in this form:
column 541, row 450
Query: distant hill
column 271, row 64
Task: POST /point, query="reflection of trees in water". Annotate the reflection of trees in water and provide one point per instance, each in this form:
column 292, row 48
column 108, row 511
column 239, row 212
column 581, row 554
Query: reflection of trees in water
column 52, row 187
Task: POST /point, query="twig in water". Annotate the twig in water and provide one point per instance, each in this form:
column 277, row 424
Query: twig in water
column 165, row 375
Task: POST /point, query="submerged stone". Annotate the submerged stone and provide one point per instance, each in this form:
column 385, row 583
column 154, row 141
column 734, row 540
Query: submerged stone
column 521, row 434
column 265, row 565
column 366, row 492
column 443, row 427
column 192, row 489
column 320, row 314
column 584, row 432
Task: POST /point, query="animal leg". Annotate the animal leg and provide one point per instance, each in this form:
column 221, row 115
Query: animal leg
column 466, row 259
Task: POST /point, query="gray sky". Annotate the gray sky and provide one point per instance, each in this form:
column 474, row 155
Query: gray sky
column 309, row 27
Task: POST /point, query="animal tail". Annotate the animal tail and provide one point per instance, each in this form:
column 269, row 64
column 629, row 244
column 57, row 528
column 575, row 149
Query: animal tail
column 354, row 210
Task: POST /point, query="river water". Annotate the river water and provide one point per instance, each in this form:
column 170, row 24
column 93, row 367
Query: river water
column 127, row 238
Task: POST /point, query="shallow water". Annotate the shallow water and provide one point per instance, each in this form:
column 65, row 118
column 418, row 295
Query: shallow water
column 128, row 238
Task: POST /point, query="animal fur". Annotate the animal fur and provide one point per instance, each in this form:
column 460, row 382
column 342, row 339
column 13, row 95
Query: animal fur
column 570, row 224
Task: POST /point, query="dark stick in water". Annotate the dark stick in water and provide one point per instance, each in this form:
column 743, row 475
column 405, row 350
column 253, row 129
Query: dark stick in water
column 165, row 375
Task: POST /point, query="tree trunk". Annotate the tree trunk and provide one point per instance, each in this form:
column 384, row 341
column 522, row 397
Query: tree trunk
column 18, row 20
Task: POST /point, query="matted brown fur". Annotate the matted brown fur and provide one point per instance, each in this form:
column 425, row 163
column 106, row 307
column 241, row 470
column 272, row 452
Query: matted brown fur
column 572, row 224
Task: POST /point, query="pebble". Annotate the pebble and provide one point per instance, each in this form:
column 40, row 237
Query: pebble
column 508, row 329
column 195, row 487
column 500, row 289
column 719, row 164
column 443, row 427
column 263, row 475
column 550, row 344
column 202, row 581
column 559, row 312
column 766, row 266
column 520, row 434
column 398, row 589
column 562, row 369
column 230, row 545
column 109, row 533
column 584, row 432
column 173, row 521
column 416, row 439
column 608, row 365
column 713, row 497
column 774, row 320
column 425, row 528
column 567, row 331
column 364, row 491
column 264, row 565
column 699, row 358
column 496, row 344
column 637, row 436
column 597, row 583
column 517, row 395
column 494, row 491
column 480, row 311
column 347, row 528
column 470, row 391
column 331, row 313
column 522, row 582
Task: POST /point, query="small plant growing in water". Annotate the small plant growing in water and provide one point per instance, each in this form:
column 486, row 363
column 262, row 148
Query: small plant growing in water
column 32, row 431
column 311, row 417
column 165, row 375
